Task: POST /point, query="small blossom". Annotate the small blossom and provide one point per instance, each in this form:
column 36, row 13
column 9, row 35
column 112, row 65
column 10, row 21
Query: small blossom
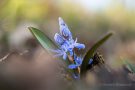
column 72, row 66
column 65, row 41
column 59, row 39
column 67, row 46
column 76, row 76
column 78, row 62
column 64, row 31
column 78, row 45
column 64, row 56
column 59, row 53
column 90, row 61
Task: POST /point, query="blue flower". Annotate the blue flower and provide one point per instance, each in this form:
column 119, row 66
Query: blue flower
column 72, row 66
column 65, row 41
column 59, row 39
column 76, row 76
column 64, row 31
column 60, row 52
column 78, row 45
column 78, row 62
column 90, row 61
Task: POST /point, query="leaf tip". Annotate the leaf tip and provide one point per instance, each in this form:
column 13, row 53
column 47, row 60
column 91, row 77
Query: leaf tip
column 111, row 33
column 30, row 28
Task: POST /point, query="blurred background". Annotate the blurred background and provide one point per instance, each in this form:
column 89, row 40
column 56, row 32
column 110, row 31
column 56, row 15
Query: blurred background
column 27, row 66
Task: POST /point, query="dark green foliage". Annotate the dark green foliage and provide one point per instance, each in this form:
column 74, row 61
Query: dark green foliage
column 43, row 39
column 91, row 52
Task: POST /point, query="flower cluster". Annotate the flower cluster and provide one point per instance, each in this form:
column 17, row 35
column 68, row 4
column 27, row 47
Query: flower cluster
column 67, row 45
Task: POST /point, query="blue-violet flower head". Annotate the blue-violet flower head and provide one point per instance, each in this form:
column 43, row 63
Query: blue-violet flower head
column 64, row 31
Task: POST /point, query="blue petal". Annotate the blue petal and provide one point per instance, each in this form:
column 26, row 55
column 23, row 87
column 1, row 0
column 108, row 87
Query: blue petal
column 65, row 32
column 71, row 53
column 58, row 55
column 59, row 39
column 90, row 61
column 79, row 46
column 64, row 56
column 76, row 76
column 55, row 51
column 70, row 50
column 61, row 22
column 78, row 61
column 72, row 66
column 65, row 46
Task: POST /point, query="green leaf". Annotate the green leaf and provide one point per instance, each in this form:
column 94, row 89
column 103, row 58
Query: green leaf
column 130, row 67
column 90, row 53
column 43, row 39
column 46, row 42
